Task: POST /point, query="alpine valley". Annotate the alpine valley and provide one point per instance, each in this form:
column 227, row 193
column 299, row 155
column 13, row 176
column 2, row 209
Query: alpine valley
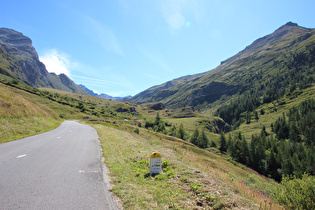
column 238, row 136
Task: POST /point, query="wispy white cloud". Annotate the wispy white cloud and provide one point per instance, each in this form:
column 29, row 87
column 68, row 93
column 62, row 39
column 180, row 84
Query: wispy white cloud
column 104, row 86
column 57, row 62
column 97, row 82
column 103, row 35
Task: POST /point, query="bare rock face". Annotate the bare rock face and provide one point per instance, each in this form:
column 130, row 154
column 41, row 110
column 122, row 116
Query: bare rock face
column 28, row 67
column 13, row 39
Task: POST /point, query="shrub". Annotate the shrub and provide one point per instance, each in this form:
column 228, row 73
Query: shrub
column 136, row 130
column 149, row 124
column 141, row 167
column 15, row 82
column 297, row 193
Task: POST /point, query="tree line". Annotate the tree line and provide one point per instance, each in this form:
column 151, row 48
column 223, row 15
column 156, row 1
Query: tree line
column 290, row 152
column 198, row 138
column 294, row 72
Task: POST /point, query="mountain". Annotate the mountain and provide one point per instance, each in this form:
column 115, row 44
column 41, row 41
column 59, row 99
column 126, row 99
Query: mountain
column 108, row 97
column 281, row 60
column 103, row 95
column 90, row 92
column 147, row 95
column 19, row 60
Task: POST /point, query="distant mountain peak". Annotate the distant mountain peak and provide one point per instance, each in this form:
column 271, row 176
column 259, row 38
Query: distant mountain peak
column 103, row 95
column 291, row 24
column 268, row 56
column 288, row 26
column 263, row 43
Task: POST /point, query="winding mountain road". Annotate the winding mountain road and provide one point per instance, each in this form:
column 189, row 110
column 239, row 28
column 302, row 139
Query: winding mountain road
column 60, row 169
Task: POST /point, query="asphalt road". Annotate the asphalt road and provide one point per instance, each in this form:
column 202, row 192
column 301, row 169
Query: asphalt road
column 60, row 169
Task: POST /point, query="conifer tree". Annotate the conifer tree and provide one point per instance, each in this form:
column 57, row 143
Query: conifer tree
column 223, row 146
column 194, row 137
column 181, row 132
column 213, row 144
column 231, row 148
column 248, row 117
column 286, row 159
column 203, row 140
column 157, row 119
column 173, row 131
column 273, row 165
column 161, row 127
column 244, row 151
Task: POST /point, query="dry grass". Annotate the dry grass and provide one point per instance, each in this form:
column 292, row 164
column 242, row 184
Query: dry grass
column 87, row 98
column 201, row 179
column 14, row 104
column 21, row 114
column 17, row 128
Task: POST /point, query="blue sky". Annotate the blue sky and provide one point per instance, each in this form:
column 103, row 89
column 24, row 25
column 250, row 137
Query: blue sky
column 122, row 47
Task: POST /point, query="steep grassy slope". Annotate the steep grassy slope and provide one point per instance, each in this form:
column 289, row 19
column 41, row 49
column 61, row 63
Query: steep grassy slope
column 22, row 114
column 26, row 111
column 195, row 178
column 146, row 96
column 192, row 178
column 7, row 63
column 99, row 107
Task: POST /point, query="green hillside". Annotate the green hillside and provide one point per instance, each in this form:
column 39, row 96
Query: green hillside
column 283, row 60
column 7, row 63
column 23, row 114
column 27, row 111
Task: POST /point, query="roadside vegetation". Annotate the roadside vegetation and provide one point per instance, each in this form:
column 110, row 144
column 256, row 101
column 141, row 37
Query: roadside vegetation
column 26, row 111
column 22, row 115
column 193, row 178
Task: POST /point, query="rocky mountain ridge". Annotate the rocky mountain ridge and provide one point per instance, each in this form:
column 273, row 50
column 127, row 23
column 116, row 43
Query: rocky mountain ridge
column 255, row 67
column 146, row 95
column 20, row 61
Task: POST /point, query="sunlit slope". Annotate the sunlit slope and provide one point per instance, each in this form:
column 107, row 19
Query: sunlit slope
column 193, row 178
column 23, row 114
column 277, row 58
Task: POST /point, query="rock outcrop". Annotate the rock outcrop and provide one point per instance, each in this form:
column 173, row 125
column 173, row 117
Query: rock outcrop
column 24, row 64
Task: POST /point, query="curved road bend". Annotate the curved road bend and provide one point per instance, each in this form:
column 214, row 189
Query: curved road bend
column 60, row 169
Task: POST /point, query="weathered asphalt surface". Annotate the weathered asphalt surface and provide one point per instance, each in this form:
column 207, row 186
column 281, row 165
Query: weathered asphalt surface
column 60, row 169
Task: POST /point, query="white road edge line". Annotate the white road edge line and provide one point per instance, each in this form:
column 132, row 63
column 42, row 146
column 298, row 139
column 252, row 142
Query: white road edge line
column 20, row 156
